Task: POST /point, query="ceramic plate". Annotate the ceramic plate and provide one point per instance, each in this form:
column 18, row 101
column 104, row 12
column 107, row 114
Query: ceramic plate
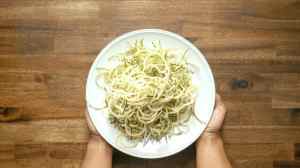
column 204, row 102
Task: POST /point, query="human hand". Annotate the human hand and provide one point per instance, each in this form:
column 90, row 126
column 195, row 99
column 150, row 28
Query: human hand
column 98, row 153
column 96, row 141
column 210, row 147
column 216, row 122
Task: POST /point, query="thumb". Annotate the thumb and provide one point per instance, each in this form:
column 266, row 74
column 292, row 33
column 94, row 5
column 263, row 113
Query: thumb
column 91, row 126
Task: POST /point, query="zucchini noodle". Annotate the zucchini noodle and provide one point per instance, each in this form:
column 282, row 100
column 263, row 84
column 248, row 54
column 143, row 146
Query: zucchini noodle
column 149, row 92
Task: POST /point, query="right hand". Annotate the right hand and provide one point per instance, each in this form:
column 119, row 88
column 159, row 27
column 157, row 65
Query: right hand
column 210, row 147
column 216, row 122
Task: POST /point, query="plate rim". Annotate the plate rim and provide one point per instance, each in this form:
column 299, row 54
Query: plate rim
column 124, row 36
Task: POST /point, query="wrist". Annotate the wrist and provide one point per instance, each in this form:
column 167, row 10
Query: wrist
column 211, row 135
column 209, row 138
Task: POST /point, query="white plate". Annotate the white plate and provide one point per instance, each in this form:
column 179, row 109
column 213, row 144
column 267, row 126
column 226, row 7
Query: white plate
column 204, row 105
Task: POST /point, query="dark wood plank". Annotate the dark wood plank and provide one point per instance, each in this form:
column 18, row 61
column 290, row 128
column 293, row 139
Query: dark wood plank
column 254, row 98
column 49, row 155
column 246, row 68
column 41, row 89
column 260, row 151
column 261, row 134
column 45, row 131
column 286, row 164
column 252, row 163
column 259, row 113
column 7, row 152
column 285, row 99
column 9, row 164
column 297, row 151
column 47, row 63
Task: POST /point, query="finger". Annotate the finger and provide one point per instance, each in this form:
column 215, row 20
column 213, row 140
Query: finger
column 90, row 124
column 218, row 100
column 218, row 96
column 219, row 106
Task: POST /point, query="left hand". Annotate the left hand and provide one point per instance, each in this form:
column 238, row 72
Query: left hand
column 96, row 139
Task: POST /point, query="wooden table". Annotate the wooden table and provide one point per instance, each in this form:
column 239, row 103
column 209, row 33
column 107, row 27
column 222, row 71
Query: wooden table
column 47, row 47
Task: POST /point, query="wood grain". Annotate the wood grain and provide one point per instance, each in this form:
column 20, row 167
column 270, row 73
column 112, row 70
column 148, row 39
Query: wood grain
column 286, row 164
column 66, row 154
column 45, row 131
column 60, row 131
column 47, row 47
column 297, row 151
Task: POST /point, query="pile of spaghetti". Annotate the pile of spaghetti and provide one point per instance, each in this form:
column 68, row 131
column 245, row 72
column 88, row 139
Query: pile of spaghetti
column 149, row 92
